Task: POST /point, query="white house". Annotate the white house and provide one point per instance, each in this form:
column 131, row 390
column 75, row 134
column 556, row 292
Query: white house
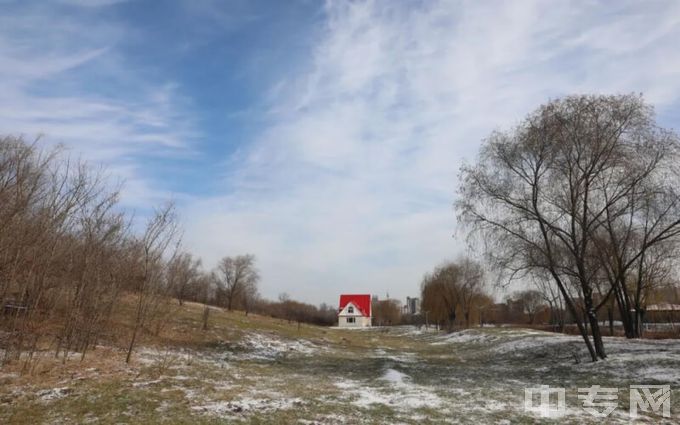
column 354, row 311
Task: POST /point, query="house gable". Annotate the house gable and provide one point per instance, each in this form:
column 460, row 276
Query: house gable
column 360, row 303
column 351, row 310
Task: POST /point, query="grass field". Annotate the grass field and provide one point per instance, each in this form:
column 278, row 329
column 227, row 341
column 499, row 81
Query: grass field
column 262, row 371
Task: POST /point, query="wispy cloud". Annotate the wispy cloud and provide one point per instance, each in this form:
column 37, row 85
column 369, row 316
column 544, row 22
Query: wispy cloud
column 91, row 3
column 62, row 77
column 349, row 181
column 350, row 186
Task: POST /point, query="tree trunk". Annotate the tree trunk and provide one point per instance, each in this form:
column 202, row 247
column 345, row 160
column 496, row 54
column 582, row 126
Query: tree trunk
column 597, row 335
column 206, row 313
column 132, row 343
column 452, row 320
column 138, row 323
column 625, row 307
column 572, row 310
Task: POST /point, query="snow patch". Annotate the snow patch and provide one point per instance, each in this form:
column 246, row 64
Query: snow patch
column 532, row 342
column 259, row 346
column 400, row 392
column 644, row 360
column 143, row 384
column 395, row 377
column 466, row 336
column 402, row 357
column 53, row 393
column 244, row 405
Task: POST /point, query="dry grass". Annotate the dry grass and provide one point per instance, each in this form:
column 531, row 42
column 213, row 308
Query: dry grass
column 259, row 370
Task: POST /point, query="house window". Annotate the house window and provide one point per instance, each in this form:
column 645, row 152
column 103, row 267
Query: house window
column 350, row 309
column 350, row 320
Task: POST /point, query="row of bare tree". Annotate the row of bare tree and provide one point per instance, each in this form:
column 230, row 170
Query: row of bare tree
column 67, row 253
column 69, row 257
column 534, row 306
column 296, row 311
column 583, row 196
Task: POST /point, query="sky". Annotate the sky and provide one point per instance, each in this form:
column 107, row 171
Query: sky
column 325, row 138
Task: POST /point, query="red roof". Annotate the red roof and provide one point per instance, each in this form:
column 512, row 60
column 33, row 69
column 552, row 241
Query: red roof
column 361, row 301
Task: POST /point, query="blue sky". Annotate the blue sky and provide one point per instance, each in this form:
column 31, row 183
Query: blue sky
column 324, row 137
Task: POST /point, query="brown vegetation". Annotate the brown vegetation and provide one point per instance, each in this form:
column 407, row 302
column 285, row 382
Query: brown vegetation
column 454, row 288
column 68, row 259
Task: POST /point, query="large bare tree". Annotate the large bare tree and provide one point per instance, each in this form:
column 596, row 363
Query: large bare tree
column 542, row 193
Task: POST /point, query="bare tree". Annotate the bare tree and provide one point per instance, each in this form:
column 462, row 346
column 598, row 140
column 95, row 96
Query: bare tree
column 640, row 232
column 531, row 301
column 440, row 292
column 287, row 307
column 540, row 194
column 236, row 277
column 159, row 236
column 67, row 254
column 552, row 297
column 453, row 287
column 183, row 273
column 471, row 286
column 249, row 298
column 93, row 259
column 205, row 290
column 60, row 239
column 385, row 312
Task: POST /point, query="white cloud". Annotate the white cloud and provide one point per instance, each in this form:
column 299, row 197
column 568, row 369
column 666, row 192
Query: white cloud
column 350, row 187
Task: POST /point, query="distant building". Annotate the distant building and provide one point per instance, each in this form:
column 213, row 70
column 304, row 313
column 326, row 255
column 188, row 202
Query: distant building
column 412, row 306
column 354, row 311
